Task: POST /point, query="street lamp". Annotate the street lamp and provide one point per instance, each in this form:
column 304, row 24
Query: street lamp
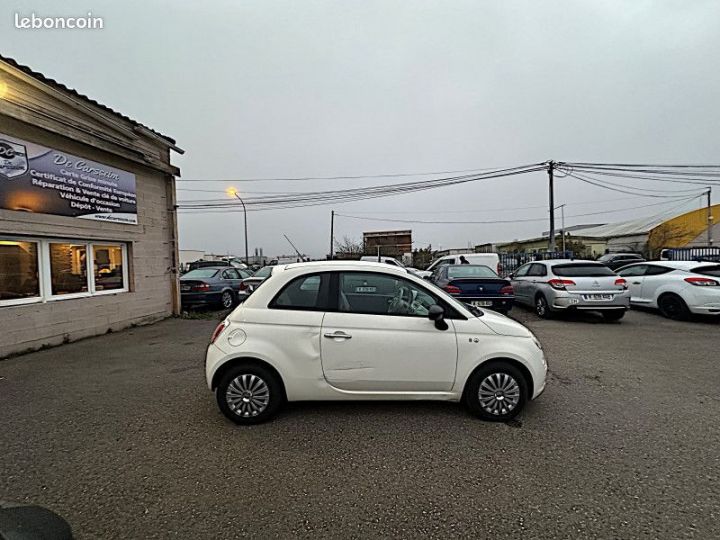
column 232, row 192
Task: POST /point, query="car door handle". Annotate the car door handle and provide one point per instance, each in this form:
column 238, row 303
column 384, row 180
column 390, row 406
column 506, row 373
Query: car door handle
column 338, row 335
column 636, row 282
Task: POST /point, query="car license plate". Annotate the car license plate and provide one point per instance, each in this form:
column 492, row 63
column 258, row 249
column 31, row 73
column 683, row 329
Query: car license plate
column 481, row 303
column 365, row 289
column 597, row 296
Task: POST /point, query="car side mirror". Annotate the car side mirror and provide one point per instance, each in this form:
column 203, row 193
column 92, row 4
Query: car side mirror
column 437, row 313
column 512, row 276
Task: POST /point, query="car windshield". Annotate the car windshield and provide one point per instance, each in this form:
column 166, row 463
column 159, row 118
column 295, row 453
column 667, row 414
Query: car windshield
column 582, row 270
column 711, row 270
column 263, row 272
column 470, row 271
column 201, row 273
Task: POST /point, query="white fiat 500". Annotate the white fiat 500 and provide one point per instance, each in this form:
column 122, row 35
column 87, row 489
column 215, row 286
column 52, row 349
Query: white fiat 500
column 367, row 331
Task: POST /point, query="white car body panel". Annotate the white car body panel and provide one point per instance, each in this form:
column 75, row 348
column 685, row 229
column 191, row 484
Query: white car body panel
column 646, row 290
column 378, row 362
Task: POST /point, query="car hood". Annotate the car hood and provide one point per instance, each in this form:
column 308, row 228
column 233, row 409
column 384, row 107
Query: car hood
column 504, row 326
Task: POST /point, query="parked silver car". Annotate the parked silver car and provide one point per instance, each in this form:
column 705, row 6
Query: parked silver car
column 563, row 284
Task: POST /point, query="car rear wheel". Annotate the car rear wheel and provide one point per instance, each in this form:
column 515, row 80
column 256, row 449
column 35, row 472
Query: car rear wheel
column 542, row 309
column 496, row 392
column 673, row 307
column 614, row 315
column 249, row 394
column 227, row 299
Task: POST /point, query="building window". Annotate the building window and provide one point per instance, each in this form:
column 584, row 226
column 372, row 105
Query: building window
column 19, row 278
column 68, row 268
column 108, row 267
column 39, row 270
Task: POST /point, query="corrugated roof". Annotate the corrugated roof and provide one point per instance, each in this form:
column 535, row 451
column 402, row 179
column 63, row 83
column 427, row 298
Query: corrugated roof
column 622, row 228
column 55, row 84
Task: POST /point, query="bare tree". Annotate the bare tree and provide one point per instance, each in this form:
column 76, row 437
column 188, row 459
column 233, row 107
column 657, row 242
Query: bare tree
column 348, row 248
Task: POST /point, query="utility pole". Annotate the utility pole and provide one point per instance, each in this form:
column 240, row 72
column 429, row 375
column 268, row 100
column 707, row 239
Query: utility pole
column 562, row 226
column 551, row 185
column 332, row 227
column 237, row 196
column 710, row 217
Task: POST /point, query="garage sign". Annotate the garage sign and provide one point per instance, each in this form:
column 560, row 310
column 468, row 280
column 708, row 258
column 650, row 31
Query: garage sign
column 34, row 178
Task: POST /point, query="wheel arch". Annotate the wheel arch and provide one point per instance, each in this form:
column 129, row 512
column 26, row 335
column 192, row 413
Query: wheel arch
column 247, row 360
column 507, row 360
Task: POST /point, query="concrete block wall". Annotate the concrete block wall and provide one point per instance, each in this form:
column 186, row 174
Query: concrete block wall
column 151, row 259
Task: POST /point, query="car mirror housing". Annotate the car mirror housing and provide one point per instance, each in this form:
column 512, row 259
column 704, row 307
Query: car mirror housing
column 437, row 313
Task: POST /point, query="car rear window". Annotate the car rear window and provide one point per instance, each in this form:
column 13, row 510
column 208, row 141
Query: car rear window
column 470, row 271
column 201, row 273
column 581, row 270
column 711, row 270
column 263, row 272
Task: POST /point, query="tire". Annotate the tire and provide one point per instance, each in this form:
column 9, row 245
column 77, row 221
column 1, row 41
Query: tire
column 496, row 379
column 673, row 307
column 614, row 315
column 227, row 299
column 249, row 394
column 542, row 308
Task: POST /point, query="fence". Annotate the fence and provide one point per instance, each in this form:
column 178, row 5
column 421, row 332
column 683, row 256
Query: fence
column 509, row 262
column 691, row 254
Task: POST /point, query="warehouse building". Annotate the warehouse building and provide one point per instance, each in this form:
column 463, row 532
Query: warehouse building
column 697, row 228
column 88, row 232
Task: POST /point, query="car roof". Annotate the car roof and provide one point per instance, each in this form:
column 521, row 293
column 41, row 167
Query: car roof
column 221, row 267
column 567, row 261
column 343, row 265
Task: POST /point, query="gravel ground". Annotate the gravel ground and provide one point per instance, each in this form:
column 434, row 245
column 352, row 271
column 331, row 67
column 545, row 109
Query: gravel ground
column 120, row 435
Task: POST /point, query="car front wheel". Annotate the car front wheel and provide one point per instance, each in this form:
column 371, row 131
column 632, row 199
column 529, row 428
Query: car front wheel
column 227, row 299
column 249, row 394
column 497, row 392
column 542, row 309
column 673, row 307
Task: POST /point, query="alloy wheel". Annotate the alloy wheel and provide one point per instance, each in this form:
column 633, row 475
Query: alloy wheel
column 499, row 393
column 227, row 299
column 247, row 395
column 541, row 306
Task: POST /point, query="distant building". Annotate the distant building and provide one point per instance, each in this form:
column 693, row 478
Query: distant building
column 645, row 235
column 389, row 243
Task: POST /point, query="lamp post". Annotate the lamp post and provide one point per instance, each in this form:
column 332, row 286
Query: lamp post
column 234, row 193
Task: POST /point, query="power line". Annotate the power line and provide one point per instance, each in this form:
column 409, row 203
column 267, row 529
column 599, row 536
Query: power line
column 605, row 186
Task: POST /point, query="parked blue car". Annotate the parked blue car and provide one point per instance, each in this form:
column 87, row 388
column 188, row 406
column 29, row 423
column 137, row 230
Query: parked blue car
column 212, row 286
column 475, row 284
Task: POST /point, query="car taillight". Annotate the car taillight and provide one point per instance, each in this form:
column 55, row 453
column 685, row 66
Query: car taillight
column 621, row 282
column 201, row 287
column 452, row 289
column 219, row 330
column 507, row 290
column 243, row 286
column 702, row 281
column 560, row 284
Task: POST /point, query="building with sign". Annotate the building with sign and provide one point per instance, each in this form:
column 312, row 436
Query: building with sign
column 88, row 231
column 388, row 243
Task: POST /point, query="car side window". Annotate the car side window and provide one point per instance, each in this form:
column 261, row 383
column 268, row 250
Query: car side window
column 633, row 271
column 303, row 293
column 522, row 271
column 537, row 270
column 231, row 274
column 655, row 270
column 382, row 294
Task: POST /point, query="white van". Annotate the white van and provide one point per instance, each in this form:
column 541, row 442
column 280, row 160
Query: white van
column 487, row 259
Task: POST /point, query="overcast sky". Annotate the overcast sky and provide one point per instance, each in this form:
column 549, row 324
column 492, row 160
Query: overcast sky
column 257, row 89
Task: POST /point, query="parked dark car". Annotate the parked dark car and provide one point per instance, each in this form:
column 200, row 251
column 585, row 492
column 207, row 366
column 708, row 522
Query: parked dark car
column 250, row 283
column 475, row 284
column 212, row 286
column 617, row 260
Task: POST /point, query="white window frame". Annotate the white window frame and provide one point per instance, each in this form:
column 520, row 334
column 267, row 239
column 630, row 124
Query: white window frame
column 45, row 271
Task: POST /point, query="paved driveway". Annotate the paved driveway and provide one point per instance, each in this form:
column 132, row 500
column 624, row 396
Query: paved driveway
column 119, row 435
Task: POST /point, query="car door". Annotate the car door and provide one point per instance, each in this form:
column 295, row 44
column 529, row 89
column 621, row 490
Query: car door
column 379, row 339
column 534, row 280
column 232, row 278
column 655, row 277
column 634, row 275
column 519, row 284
